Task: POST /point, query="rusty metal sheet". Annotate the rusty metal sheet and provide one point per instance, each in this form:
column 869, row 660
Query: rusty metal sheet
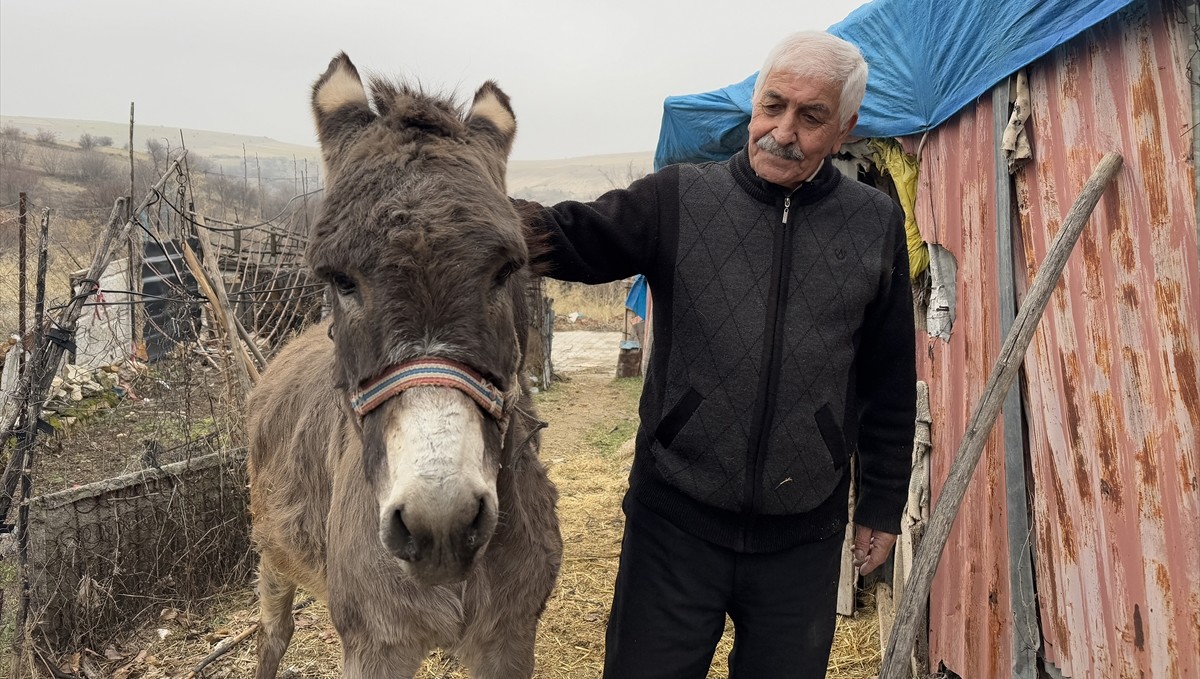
column 1113, row 401
column 970, row 627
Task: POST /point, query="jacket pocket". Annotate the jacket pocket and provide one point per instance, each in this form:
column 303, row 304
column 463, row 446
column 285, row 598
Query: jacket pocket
column 835, row 441
column 675, row 419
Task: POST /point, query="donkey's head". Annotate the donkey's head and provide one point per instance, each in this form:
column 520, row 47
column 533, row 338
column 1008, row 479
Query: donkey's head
column 425, row 259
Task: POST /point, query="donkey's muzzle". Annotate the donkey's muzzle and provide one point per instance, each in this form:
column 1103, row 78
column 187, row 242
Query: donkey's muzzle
column 443, row 550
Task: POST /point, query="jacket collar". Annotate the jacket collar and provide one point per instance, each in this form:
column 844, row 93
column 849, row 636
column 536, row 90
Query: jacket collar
column 817, row 187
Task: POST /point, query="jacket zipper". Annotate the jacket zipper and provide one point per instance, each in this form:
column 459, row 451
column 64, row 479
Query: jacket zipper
column 769, row 382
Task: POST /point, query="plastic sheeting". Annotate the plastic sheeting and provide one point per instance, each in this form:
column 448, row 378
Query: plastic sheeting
column 927, row 60
column 904, row 170
column 709, row 126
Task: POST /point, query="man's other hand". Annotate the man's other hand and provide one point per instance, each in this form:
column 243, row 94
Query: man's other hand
column 871, row 548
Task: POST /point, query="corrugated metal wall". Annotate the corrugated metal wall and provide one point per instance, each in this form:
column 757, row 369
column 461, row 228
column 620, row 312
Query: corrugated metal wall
column 969, row 605
column 1111, row 381
column 1113, row 401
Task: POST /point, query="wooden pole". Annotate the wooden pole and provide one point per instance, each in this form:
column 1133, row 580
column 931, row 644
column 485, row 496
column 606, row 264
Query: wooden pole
column 247, row 374
column 208, row 276
column 22, row 264
column 136, row 246
column 900, row 646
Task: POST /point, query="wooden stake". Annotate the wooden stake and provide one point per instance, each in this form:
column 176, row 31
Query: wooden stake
column 219, row 303
column 1012, row 353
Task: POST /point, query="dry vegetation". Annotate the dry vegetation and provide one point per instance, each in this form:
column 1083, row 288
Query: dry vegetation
column 588, row 451
column 595, row 307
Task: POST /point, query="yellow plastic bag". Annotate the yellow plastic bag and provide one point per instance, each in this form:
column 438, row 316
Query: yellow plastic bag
column 891, row 159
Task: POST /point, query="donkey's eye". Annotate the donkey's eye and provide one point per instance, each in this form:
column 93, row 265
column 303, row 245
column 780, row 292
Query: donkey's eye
column 344, row 284
column 505, row 273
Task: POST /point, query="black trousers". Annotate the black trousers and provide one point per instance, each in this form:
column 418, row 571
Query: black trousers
column 674, row 589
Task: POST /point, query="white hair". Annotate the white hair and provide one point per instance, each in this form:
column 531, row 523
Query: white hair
column 821, row 56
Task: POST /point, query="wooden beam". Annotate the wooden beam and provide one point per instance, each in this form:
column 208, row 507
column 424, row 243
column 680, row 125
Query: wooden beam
column 1012, row 353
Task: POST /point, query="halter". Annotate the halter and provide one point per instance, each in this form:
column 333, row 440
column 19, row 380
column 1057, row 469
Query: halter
column 435, row 372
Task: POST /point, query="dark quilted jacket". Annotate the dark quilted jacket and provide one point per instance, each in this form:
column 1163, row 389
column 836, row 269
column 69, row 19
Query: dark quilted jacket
column 783, row 345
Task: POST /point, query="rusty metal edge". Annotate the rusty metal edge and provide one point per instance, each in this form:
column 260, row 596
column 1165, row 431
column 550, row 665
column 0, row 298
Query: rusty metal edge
column 1023, row 599
column 1193, row 16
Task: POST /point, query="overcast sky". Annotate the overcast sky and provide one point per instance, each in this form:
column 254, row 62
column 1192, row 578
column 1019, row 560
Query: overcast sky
column 585, row 77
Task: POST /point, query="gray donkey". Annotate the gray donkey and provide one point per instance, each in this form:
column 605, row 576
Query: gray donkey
column 393, row 449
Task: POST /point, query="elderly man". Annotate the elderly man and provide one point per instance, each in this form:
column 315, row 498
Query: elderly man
column 783, row 347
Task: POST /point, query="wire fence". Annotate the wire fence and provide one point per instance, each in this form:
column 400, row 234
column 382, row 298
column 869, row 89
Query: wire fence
column 124, row 489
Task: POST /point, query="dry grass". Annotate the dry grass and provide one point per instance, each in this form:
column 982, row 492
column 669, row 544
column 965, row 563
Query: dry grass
column 588, row 453
column 72, row 241
column 600, row 307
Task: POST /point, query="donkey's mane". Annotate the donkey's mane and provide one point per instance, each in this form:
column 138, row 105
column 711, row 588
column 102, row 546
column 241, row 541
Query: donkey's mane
column 405, row 105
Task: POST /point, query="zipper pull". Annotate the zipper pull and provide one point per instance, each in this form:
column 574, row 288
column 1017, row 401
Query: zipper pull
column 787, row 204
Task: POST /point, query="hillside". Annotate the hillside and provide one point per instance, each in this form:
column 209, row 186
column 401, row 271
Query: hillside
column 543, row 180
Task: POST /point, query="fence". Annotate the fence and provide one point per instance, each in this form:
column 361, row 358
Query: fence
column 116, row 550
column 124, row 488
column 142, row 426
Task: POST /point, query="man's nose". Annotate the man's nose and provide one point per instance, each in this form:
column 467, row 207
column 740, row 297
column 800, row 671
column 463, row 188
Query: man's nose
column 785, row 133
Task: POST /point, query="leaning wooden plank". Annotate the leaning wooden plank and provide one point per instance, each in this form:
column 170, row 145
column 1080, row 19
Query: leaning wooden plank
column 1012, row 353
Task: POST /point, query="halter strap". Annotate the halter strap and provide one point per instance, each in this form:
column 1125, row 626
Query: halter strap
column 436, row 372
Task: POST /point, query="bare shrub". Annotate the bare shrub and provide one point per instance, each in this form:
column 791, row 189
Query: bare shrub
column 12, row 147
column 106, row 142
column 91, row 167
column 46, row 136
column 51, row 160
column 158, row 154
column 87, row 142
column 14, row 179
column 12, row 132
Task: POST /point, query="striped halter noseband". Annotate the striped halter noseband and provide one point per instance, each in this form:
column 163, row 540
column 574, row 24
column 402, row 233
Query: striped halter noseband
column 435, row 372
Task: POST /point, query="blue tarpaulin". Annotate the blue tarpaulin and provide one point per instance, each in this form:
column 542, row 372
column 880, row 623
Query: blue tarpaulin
column 635, row 301
column 927, row 59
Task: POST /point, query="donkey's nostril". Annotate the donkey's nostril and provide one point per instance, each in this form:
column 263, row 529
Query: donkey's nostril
column 398, row 539
column 477, row 525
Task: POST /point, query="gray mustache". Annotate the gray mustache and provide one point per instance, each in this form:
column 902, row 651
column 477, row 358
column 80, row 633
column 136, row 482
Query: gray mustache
column 790, row 152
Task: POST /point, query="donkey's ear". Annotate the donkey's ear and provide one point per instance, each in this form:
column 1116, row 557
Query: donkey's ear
column 492, row 122
column 340, row 106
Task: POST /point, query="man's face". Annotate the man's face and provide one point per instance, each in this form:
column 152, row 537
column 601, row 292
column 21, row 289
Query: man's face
column 793, row 127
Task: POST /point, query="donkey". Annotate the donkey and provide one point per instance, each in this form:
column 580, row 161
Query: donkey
column 393, row 449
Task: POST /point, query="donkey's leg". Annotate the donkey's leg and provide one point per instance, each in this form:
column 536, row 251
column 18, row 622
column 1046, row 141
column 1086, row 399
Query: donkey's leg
column 381, row 661
column 506, row 654
column 275, row 623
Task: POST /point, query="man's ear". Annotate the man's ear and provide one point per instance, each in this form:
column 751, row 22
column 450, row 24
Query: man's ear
column 340, row 107
column 837, row 145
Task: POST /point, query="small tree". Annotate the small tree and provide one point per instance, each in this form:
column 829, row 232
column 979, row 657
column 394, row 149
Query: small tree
column 158, row 154
column 51, row 160
column 91, row 167
column 104, row 141
column 46, row 136
column 12, row 146
column 87, row 142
